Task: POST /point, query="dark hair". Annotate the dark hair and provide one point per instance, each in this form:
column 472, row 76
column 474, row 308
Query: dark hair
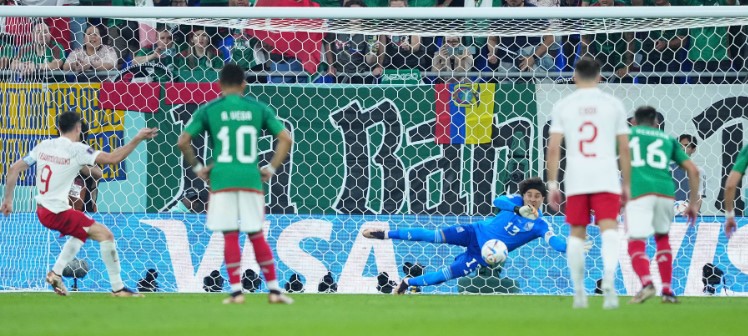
column 533, row 183
column 350, row 3
column 231, row 75
column 587, row 68
column 692, row 142
column 67, row 121
column 645, row 115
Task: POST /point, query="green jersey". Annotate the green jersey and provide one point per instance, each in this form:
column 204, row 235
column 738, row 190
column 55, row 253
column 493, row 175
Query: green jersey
column 741, row 163
column 651, row 153
column 234, row 125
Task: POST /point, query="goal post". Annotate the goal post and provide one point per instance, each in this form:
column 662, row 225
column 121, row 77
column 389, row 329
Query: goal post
column 415, row 117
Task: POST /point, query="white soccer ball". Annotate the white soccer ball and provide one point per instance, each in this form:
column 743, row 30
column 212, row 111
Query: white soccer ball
column 679, row 207
column 494, row 252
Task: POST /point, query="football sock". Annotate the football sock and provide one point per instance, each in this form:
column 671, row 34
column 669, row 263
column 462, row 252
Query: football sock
column 639, row 260
column 68, row 253
column 232, row 255
column 431, row 236
column 664, row 258
column 610, row 249
column 433, row 278
column 575, row 260
column 265, row 259
column 111, row 260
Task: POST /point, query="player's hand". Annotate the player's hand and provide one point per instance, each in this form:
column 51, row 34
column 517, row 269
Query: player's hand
column 730, row 227
column 267, row 173
column 147, row 133
column 691, row 213
column 204, row 174
column 588, row 245
column 7, row 207
column 528, row 211
column 554, row 199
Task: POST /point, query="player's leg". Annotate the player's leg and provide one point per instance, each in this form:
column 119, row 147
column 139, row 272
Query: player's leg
column 463, row 265
column 578, row 217
column 664, row 256
column 639, row 227
column 460, row 235
column 252, row 217
column 100, row 233
column 607, row 206
column 223, row 216
column 59, row 222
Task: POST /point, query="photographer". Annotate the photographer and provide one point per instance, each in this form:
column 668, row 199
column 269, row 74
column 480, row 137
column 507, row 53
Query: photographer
column 453, row 56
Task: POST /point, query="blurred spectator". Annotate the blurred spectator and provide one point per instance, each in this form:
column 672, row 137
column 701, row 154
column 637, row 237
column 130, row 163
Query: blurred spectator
column 42, row 53
column 200, row 55
column 192, row 202
column 422, row 3
column 708, row 49
column 244, row 49
column 519, row 53
column 401, row 52
column 689, row 144
column 453, row 56
column 215, row 3
column 84, row 190
column 659, row 50
column 585, row 3
column 555, row 48
column 58, row 27
column 7, row 52
column 351, row 54
column 612, row 50
column 94, row 55
column 124, row 35
column 162, row 53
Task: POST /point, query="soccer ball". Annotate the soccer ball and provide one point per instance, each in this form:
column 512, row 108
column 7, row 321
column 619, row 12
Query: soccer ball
column 494, row 252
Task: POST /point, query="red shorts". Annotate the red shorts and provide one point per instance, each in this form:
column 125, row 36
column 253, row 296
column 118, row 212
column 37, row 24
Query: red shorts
column 605, row 206
column 68, row 223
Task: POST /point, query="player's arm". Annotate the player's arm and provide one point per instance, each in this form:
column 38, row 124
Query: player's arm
column 93, row 171
column 515, row 204
column 694, row 196
column 624, row 163
column 731, row 187
column 10, row 184
column 119, row 154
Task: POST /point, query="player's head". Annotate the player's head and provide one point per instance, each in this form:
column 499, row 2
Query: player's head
column 231, row 79
column 688, row 142
column 70, row 124
column 587, row 72
column 533, row 191
column 646, row 116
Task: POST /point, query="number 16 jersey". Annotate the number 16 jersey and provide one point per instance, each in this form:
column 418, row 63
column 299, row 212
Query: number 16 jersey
column 234, row 124
column 651, row 153
column 590, row 120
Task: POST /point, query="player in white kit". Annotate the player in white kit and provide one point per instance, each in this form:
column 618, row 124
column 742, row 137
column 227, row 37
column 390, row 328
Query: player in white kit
column 58, row 161
column 594, row 125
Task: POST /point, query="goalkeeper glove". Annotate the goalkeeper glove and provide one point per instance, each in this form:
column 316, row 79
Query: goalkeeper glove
column 526, row 211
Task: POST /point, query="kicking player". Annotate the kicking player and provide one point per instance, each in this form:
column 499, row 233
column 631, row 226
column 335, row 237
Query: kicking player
column 517, row 224
column 595, row 128
column 58, row 162
column 237, row 203
column 650, row 210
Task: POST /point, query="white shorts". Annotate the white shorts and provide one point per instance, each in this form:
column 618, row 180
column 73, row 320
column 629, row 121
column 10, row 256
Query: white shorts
column 648, row 215
column 236, row 211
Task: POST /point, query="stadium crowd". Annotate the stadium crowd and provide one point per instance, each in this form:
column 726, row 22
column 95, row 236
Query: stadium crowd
column 90, row 49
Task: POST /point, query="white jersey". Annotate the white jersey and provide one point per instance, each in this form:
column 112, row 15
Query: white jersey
column 58, row 161
column 590, row 121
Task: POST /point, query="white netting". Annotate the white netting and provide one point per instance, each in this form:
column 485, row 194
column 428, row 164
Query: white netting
column 378, row 103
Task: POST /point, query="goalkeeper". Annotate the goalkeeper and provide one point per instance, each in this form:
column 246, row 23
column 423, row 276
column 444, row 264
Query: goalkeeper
column 517, row 223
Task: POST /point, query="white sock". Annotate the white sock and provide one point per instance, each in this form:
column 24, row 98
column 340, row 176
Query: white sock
column 273, row 285
column 610, row 249
column 236, row 287
column 111, row 260
column 68, row 253
column 575, row 260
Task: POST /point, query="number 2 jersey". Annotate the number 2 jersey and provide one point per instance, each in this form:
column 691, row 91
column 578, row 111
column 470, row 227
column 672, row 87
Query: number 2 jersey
column 234, row 124
column 651, row 153
column 58, row 162
column 590, row 121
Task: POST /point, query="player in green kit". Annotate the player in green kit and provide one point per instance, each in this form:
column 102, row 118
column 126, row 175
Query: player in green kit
column 731, row 187
column 234, row 124
column 650, row 210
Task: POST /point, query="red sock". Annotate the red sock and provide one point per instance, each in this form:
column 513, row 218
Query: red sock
column 232, row 255
column 664, row 260
column 640, row 261
column 264, row 256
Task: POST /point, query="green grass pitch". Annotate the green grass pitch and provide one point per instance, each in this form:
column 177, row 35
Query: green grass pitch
column 339, row 314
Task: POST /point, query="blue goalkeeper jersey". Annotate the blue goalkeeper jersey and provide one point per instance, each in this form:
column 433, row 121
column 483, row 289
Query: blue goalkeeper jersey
column 515, row 230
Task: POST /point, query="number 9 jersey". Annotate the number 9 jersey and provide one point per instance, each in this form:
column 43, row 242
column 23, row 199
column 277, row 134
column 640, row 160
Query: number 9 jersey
column 234, row 124
column 590, row 120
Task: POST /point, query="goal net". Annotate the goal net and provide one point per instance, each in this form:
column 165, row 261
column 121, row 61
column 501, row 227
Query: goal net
column 401, row 118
